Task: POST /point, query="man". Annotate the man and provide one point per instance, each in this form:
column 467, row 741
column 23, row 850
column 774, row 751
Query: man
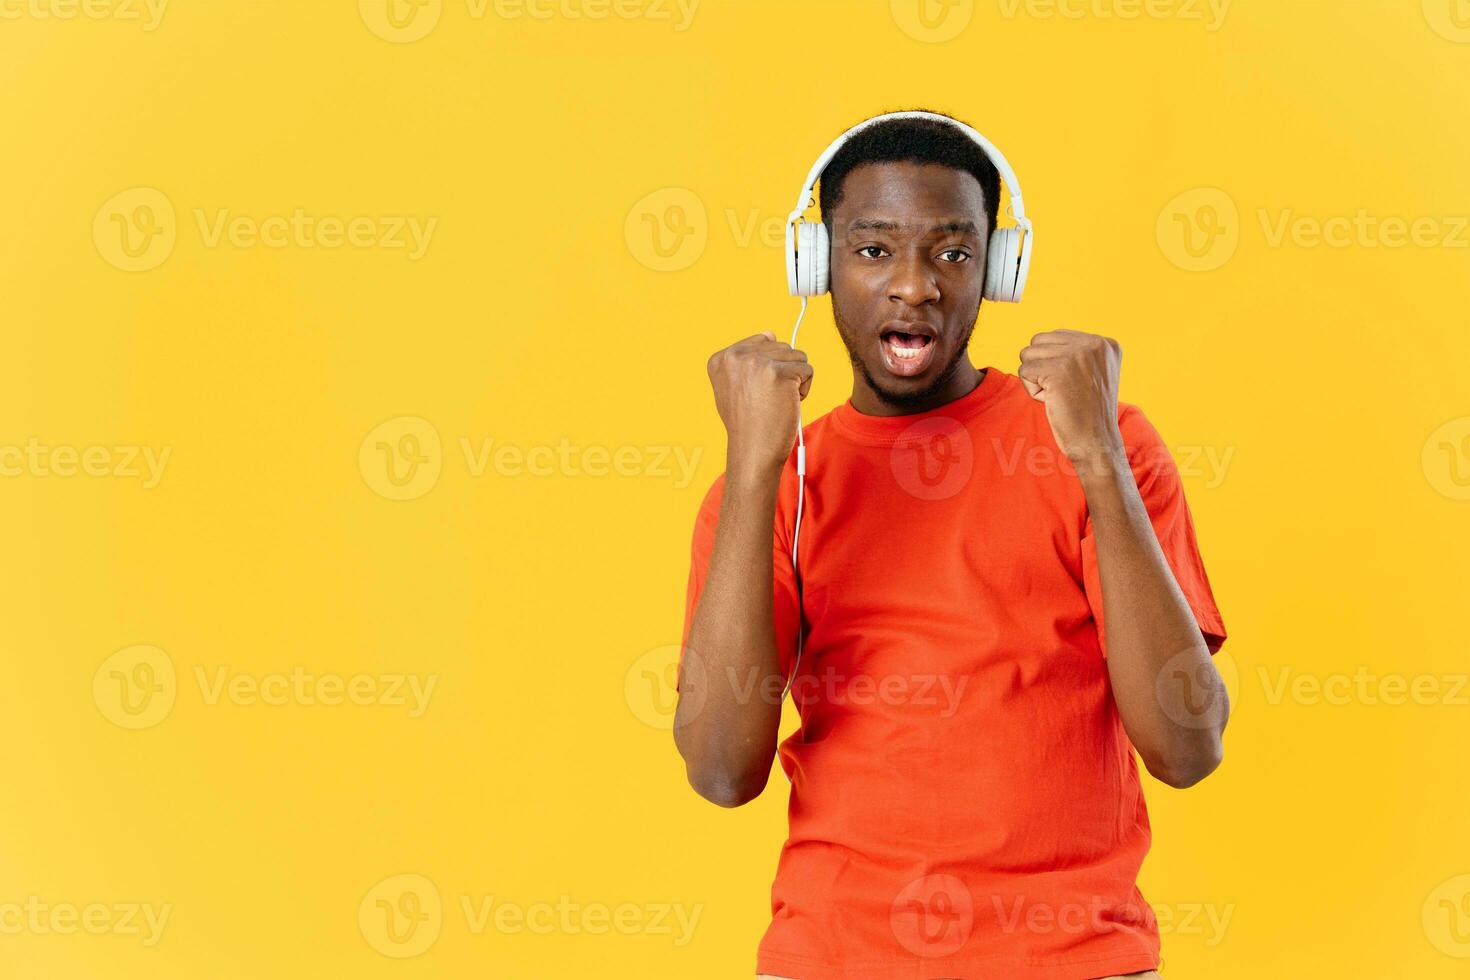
column 964, row 796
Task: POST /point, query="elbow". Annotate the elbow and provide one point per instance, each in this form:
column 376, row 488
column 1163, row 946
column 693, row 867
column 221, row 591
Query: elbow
column 1183, row 771
column 726, row 783
column 725, row 788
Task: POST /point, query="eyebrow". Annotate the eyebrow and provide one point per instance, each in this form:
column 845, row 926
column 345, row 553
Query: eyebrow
column 874, row 224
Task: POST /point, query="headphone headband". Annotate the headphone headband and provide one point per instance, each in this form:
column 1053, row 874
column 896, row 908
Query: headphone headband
column 1013, row 185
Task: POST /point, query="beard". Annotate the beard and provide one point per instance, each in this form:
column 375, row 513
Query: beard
column 904, row 401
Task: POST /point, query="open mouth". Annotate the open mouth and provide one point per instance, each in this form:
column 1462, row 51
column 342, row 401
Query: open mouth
column 906, row 354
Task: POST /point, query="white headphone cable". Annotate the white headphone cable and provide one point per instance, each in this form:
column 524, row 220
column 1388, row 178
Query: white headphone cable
column 800, row 495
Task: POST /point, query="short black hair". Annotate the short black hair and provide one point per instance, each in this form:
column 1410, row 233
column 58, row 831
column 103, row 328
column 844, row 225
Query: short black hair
column 910, row 140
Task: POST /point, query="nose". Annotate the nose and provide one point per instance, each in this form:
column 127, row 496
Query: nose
column 913, row 281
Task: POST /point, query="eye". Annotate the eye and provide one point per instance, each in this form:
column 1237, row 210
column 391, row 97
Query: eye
column 872, row 248
column 962, row 255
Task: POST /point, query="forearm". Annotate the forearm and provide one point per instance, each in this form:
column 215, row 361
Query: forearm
column 1149, row 629
column 729, row 712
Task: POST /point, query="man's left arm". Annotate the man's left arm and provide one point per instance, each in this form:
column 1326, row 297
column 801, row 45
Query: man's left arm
column 1151, row 633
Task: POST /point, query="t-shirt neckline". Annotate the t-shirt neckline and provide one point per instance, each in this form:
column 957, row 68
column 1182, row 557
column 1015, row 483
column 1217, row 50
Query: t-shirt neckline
column 882, row 430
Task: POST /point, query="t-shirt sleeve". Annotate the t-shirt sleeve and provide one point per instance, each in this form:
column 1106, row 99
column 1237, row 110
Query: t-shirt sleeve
column 785, row 604
column 1162, row 491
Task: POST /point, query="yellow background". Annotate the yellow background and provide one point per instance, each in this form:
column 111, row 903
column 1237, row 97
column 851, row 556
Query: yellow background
column 542, row 315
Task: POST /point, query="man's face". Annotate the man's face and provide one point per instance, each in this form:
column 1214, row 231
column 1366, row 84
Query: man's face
column 908, row 266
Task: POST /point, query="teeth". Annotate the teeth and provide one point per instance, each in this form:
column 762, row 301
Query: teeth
column 906, row 353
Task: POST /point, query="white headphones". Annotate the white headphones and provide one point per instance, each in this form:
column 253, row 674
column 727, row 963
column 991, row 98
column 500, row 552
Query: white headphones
column 808, row 267
column 1007, row 259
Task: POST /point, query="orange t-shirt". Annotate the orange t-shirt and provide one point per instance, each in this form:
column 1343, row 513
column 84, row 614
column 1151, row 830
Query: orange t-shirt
column 964, row 799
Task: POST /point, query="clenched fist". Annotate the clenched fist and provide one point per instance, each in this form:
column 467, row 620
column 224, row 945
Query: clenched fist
column 1075, row 375
column 759, row 383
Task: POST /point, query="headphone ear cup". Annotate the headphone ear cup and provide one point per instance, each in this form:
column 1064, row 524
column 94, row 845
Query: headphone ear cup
column 821, row 260
column 1002, row 265
column 813, row 258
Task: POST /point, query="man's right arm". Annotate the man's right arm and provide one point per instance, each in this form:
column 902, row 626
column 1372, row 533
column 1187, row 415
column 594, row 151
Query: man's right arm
column 727, row 720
